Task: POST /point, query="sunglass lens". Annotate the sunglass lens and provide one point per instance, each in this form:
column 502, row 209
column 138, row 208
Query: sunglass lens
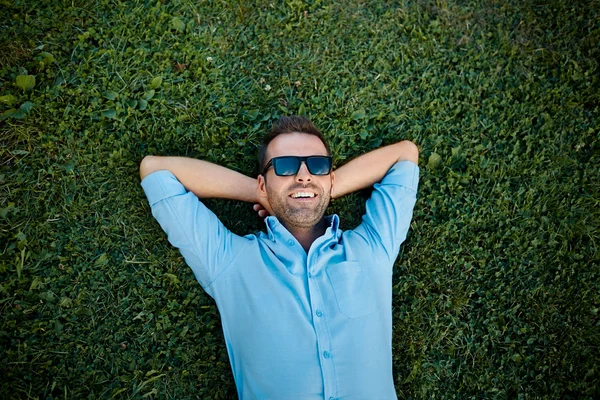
column 285, row 166
column 319, row 165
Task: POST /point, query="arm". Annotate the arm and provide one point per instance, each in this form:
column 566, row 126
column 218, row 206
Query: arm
column 369, row 168
column 206, row 244
column 204, row 179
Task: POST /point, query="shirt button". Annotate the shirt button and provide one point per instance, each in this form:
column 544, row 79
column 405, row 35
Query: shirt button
column 319, row 313
column 309, row 275
column 326, row 354
column 331, row 398
column 291, row 242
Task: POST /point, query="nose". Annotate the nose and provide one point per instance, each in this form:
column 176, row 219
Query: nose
column 303, row 174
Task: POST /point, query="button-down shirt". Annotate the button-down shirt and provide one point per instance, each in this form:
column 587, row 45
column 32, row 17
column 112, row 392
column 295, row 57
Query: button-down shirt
column 298, row 325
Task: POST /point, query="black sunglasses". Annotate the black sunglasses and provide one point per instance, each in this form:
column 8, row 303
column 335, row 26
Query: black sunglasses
column 290, row 165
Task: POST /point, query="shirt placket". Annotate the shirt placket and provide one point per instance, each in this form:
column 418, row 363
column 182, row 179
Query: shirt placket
column 316, row 278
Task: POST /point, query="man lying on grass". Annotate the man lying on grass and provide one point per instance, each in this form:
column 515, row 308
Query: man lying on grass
column 306, row 307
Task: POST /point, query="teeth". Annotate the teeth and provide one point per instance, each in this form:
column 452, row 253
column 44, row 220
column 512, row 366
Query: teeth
column 303, row 194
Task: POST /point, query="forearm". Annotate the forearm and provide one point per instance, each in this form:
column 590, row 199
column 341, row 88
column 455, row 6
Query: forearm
column 204, row 179
column 367, row 169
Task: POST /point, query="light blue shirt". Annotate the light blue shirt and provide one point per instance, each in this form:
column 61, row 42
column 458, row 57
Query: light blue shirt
column 298, row 325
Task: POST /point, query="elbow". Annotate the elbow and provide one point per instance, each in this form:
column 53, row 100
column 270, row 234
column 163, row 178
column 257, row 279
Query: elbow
column 146, row 166
column 409, row 151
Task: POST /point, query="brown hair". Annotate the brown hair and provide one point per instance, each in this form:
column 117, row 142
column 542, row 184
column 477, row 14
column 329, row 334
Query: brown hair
column 295, row 123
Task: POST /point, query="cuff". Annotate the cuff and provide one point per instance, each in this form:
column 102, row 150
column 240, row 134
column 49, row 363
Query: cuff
column 161, row 184
column 404, row 173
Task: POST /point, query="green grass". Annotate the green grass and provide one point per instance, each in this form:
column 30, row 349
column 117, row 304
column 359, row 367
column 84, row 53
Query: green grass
column 497, row 288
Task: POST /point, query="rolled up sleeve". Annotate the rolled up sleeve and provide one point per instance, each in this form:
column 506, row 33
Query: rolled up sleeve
column 207, row 246
column 389, row 210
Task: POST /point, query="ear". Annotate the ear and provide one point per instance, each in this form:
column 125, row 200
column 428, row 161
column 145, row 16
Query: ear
column 262, row 186
column 332, row 182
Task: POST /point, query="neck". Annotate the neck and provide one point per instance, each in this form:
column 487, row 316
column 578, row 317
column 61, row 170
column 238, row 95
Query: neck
column 306, row 236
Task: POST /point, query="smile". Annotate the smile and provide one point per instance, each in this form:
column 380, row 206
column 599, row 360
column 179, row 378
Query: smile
column 302, row 195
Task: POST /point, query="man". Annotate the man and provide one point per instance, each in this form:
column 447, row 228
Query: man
column 305, row 307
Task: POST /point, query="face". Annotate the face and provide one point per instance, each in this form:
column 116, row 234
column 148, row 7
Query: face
column 281, row 191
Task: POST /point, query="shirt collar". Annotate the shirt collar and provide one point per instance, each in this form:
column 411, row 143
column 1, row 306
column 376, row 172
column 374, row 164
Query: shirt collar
column 276, row 229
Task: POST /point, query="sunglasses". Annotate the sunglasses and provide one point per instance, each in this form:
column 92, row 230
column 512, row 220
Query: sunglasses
column 290, row 165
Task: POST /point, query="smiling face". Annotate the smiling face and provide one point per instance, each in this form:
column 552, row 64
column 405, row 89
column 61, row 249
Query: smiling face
column 299, row 200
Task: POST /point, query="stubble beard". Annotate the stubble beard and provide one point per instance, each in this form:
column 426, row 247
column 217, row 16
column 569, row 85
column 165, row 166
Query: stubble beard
column 301, row 216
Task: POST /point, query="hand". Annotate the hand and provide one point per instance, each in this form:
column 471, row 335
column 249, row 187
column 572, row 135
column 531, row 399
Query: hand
column 262, row 212
column 263, row 208
column 261, row 205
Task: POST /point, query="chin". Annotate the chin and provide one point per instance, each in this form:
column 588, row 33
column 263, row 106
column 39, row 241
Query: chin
column 300, row 217
column 299, row 221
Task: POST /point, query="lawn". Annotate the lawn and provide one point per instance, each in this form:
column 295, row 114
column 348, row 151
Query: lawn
column 497, row 287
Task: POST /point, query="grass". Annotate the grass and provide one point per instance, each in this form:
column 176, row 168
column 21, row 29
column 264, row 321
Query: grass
column 496, row 290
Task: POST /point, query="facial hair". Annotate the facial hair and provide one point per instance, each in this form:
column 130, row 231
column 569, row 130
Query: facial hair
column 298, row 215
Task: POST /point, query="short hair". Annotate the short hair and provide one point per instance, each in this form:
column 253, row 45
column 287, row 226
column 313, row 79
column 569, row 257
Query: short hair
column 294, row 123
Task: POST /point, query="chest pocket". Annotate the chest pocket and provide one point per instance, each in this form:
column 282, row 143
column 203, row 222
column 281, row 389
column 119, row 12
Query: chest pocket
column 353, row 288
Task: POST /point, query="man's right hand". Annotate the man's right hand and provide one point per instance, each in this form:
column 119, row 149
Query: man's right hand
column 260, row 210
column 263, row 208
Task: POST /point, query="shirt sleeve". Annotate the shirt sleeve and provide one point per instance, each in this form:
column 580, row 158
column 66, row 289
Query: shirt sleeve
column 207, row 246
column 390, row 208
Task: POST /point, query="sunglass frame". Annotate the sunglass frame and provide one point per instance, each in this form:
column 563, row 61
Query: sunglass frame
column 306, row 159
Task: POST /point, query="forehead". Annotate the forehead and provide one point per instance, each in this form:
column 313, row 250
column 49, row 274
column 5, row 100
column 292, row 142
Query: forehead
column 296, row 144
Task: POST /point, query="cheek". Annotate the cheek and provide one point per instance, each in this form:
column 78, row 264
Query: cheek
column 326, row 184
column 274, row 188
